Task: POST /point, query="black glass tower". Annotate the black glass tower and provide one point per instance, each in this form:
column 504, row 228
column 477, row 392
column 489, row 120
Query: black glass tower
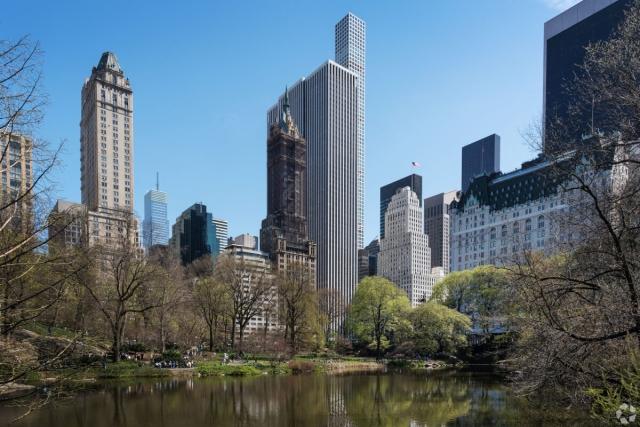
column 565, row 38
column 480, row 157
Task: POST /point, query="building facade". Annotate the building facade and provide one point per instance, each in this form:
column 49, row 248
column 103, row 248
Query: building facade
column 192, row 234
column 106, row 154
column 284, row 234
column 246, row 240
column 350, row 52
column 106, row 138
column 155, row 227
column 67, row 224
column 480, row 157
column 405, row 256
column 221, row 231
column 437, row 222
column 412, row 181
column 565, row 38
column 259, row 267
column 16, row 179
column 502, row 215
column 324, row 106
column 368, row 260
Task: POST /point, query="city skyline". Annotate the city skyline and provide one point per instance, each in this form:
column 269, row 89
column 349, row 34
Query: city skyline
column 244, row 216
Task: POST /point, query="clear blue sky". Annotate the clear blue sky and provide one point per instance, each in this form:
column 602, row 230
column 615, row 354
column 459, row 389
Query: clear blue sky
column 440, row 74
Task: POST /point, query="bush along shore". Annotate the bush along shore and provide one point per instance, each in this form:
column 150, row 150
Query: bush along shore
column 128, row 370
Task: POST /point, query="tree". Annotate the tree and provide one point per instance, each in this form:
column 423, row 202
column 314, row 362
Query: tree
column 213, row 299
column 439, row 329
column 251, row 289
column 331, row 308
column 124, row 282
column 378, row 310
column 170, row 290
column 298, row 303
column 481, row 293
column 579, row 310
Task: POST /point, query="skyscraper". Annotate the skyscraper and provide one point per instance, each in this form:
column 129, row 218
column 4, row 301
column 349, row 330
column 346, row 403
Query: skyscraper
column 350, row 49
column 192, row 235
column 106, row 154
column 436, row 224
column 565, row 38
column 106, row 138
column 480, row 157
column 16, row 179
column 324, row 106
column 412, row 181
column 284, row 233
column 221, row 231
column 155, row 225
column 405, row 257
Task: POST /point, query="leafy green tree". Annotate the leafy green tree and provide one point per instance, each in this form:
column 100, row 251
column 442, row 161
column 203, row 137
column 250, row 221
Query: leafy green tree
column 481, row 293
column 378, row 311
column 439, row 329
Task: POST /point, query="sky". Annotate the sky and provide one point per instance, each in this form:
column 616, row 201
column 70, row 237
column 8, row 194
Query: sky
column 440, row 75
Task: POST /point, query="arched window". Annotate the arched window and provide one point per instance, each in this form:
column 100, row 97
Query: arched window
column 541, row 221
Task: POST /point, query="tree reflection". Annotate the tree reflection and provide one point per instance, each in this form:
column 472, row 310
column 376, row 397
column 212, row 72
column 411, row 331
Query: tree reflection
column 404, row 400
column 433, row 399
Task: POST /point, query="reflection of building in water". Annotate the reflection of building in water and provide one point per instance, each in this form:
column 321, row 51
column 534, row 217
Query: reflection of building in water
column 338, row 416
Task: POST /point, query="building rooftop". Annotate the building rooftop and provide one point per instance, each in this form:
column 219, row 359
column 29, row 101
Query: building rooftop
column 109, row 61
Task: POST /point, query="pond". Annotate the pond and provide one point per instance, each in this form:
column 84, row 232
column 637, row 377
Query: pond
column 456, row 398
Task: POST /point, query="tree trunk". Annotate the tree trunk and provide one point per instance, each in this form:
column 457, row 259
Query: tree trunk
column 117, row 344
column 211, row 337
column 163, row 341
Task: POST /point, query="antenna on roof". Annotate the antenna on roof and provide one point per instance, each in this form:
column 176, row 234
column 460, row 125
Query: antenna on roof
column 157, row 181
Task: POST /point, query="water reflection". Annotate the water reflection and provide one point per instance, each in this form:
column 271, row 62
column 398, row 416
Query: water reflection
column 445, row 398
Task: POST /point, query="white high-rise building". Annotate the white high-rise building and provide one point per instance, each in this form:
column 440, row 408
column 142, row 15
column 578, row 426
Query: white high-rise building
column 405, row 256
column 222, row 232
column 326, row 108
column 350, row 49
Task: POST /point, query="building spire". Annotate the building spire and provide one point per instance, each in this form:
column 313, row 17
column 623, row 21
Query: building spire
column 157, row 181
column 285, row 104
column 286, row 121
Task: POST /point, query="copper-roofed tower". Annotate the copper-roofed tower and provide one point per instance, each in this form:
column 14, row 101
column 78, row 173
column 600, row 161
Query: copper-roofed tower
column 284, row 233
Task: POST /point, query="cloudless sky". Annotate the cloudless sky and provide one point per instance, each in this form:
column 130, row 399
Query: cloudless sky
column 440, row 74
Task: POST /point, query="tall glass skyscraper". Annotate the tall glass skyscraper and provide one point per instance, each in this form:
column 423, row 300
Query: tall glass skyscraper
column 155, row 227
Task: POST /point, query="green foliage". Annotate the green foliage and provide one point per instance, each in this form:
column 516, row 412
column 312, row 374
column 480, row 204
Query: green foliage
column 172, row 355
column 613, row 395
column 482, row 292
column 439, row 329
column 379, row 313
column 130, row 369
column 209, row 369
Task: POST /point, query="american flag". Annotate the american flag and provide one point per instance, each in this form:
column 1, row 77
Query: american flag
column 415, row 164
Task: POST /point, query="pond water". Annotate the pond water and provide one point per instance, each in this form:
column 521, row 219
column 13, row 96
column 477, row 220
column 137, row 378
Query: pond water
column 455, row 398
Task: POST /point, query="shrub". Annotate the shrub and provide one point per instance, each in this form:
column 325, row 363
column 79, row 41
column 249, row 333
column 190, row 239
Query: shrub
column 209, row 369
column 301, row 366
column 130, row 369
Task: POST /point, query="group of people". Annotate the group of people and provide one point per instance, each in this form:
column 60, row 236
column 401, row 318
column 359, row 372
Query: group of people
column 172, row 364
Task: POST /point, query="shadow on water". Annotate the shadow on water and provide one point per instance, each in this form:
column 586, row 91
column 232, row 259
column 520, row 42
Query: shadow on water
column 456, row 398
